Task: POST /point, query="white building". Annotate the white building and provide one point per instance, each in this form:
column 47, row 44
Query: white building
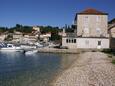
column 17, row 37
column 36, row 28
column 2, row 37
column 29, row 39
column 45, row 37
column 92, row 31
column 62, row 33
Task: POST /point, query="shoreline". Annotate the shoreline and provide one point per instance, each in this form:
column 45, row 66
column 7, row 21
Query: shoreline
column 65, row 51
column 94, row 70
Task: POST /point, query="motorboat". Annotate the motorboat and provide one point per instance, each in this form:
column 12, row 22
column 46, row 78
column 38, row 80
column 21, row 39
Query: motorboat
column 31, row 52
column 52, row 45
column 39, row 45
column 10, row 47
column 28, row 47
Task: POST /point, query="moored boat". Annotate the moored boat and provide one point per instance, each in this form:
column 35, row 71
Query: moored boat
column 10, row 47
column 30, row 52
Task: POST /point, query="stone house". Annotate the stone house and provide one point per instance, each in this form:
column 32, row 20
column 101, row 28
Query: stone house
column 91, row 31
column 17, row 37
column 29, row 39
column 2, row 37
column 45, row 37
column 111, row 30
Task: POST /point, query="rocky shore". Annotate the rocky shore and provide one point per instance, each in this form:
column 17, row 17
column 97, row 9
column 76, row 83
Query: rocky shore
column 55, row 50
column 64, row 51
column 90, row 69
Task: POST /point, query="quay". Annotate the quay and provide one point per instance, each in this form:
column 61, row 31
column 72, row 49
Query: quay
column 55, row 50
column 66, row 51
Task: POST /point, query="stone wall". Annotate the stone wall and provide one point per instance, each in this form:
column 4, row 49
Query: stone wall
column 86, row 43
column 92, row 25
column 92, row 43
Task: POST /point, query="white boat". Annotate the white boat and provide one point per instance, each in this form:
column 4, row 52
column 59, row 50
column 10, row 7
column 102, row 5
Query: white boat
column 27, row 47
column 31, row 52
column 52, row 45
column 10, row 47
column 39, row 45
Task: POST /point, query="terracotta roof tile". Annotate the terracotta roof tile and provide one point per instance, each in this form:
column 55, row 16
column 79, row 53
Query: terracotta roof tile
column 92, row 11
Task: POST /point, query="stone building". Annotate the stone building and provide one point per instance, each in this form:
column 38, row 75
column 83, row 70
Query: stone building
column 111, row 31
column 2, row 37
column 17, row 37
column 91, row 31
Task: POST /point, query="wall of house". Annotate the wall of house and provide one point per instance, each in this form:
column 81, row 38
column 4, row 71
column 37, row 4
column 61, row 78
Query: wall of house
column 112, row 43
column 2, row 37
column 86, row 43
column 92, row 43
column 17, row 38
column 92, row 25
column 112, row 32
column 69, row 44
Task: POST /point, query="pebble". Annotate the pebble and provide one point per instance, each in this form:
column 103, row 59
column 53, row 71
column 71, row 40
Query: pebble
column 90, row 69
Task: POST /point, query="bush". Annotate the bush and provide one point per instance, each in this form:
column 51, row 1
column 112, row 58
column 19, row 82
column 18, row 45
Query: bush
column 109, row 51
column 113, row 61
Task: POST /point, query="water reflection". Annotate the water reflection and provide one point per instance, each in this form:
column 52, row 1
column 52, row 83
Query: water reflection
column 17, row 69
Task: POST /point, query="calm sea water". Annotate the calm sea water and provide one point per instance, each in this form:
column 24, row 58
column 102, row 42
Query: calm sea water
column 17, row 69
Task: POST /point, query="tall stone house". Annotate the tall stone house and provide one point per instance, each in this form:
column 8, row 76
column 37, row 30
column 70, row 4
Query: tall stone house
column 91, row 31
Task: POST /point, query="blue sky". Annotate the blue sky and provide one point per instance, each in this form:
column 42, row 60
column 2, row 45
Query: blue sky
column 48, row 12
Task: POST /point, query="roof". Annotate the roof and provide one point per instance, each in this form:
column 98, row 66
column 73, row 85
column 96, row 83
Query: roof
column 92, row 11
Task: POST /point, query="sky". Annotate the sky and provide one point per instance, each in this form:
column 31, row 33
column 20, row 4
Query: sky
column 48, row 12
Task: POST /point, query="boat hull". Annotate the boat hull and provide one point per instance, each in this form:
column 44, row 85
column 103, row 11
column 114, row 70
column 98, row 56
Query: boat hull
column 31, row 52
column 11, row 49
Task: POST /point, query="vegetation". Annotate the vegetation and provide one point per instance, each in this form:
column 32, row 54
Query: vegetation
column 112, row 21
column 3, row 29
column 9, row 38
column 109, row 51
column 113, row 61
column 44, row 29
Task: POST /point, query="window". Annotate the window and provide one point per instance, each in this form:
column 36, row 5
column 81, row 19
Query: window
column 98, row 18
column 99, row 42
column 71, row 40
column 74, row 40
column 98, row 30
column 86, row 20
column 66, row 40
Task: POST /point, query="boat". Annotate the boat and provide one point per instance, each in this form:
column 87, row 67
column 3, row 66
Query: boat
column 10, row 47
column 52, row 45
column 39, row 45
column 30, row 52
column 28, row 47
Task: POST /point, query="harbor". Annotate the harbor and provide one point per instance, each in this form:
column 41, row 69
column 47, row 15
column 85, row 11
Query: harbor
column 50, row 69
column 57, row 43
column 40, row 69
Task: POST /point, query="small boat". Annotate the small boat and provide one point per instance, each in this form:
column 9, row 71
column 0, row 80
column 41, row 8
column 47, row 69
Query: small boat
column 52, row 45
column 38, row 45
column 30, row 52
column 28, row 47
column 10, row 47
